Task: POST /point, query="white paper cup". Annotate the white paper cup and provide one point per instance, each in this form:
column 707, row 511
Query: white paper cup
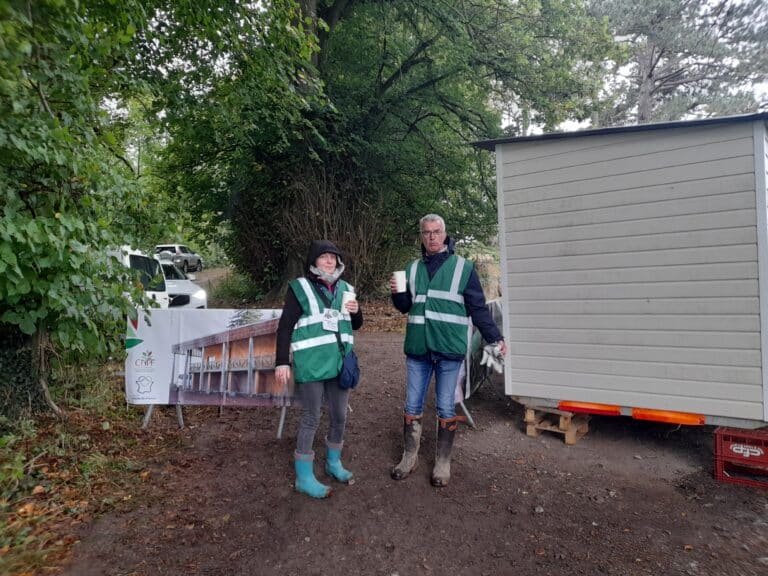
column 400, row 280
column 347, row 296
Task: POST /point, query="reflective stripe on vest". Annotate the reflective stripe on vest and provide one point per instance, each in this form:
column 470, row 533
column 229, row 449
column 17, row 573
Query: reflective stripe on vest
column 438, row 319
column 321, row 340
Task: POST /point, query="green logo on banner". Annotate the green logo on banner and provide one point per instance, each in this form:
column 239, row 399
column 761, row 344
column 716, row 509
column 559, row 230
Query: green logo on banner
column 131, row 340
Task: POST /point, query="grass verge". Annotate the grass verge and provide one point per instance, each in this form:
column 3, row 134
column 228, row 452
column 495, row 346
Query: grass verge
column 234, row 290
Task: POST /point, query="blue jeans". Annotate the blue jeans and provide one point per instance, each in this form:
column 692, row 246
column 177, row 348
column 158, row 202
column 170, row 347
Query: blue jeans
column 419, row 373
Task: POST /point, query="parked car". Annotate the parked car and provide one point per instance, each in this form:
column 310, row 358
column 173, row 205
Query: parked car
column 149, row 273
column 181, row 256
column 180, row 284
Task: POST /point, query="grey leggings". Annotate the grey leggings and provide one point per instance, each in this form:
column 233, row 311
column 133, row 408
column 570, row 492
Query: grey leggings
column 311, row 395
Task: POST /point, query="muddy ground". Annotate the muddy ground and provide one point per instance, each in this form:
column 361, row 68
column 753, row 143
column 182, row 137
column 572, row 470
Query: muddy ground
column 629, row 498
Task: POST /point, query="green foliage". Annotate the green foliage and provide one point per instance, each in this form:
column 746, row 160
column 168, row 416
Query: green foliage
column 67, row 191
column 236, row 290
column 355, row 134
column 685, row 57
column 19, row 395
column 241, row 104
column 91, row 386
column 208, row 236
column 13, row 460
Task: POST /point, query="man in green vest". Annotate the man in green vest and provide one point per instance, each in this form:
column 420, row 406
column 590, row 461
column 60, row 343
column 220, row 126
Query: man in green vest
column 443, row 297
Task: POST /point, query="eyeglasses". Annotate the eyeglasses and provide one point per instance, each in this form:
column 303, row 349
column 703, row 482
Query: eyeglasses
column 432, row 233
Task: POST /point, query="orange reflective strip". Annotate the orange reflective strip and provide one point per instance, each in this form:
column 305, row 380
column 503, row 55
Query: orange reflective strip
column 590, row 408
column 667, row 416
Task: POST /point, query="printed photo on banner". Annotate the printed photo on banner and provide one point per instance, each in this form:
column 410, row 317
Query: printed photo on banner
column 204, row 357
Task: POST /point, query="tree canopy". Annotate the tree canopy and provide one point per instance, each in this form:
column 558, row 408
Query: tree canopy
column 372, row 127
column 69, row 191
column 686, row 57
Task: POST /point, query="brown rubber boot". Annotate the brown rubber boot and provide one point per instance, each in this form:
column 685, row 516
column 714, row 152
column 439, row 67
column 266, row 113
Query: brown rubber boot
column 411, row 441
column 446, row 430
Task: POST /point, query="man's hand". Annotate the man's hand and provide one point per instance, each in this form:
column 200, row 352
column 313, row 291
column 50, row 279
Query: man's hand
column 493, row 356
column 282, row 374
column 352, row 306
column 393, row 284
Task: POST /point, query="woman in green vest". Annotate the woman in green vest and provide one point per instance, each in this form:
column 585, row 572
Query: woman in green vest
column 317, row 329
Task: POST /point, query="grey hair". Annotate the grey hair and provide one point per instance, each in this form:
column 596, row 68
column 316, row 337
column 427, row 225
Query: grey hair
column 432, row 218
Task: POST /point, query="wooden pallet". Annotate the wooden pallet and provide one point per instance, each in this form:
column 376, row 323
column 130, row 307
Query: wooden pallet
column 571, row 426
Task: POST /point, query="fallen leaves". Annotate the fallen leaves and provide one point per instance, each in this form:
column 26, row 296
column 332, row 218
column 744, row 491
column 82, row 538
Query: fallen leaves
column 27, row 509
column 73, row 470
column 381, row 316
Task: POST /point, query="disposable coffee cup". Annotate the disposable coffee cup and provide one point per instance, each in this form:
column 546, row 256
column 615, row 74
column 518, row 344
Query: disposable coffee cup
column 347, row 296
column 400, row 280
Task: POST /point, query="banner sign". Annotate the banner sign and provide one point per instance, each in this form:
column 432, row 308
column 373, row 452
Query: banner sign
column 204, row 357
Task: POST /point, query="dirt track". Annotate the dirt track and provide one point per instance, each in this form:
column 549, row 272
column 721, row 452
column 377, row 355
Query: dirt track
column 629, row 498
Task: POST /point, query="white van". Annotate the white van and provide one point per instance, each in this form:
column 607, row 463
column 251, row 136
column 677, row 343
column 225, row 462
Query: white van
column 149, row 271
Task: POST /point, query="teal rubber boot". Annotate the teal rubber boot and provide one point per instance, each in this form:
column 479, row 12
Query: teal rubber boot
column 333, row 465
column 306, row 483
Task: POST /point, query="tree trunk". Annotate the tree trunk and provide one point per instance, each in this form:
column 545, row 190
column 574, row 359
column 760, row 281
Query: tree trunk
column 294, row 268
column 40, row 348
column 645, row 87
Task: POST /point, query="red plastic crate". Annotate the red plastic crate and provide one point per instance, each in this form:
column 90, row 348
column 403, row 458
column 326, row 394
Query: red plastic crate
column 736, row 473
column 739, row 446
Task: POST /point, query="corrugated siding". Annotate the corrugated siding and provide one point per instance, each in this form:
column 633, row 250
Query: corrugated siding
column 632, row 271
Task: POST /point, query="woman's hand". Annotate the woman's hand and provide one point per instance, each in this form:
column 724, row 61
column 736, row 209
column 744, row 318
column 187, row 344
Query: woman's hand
column 352, row 307
column 283, row 374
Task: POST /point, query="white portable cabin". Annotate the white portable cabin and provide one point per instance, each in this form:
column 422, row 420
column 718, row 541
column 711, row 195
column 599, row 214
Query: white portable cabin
column 634, row 268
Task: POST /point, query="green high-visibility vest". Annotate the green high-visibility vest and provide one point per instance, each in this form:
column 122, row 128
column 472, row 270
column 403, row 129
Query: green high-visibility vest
column 437, row 320
column 316, row 354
